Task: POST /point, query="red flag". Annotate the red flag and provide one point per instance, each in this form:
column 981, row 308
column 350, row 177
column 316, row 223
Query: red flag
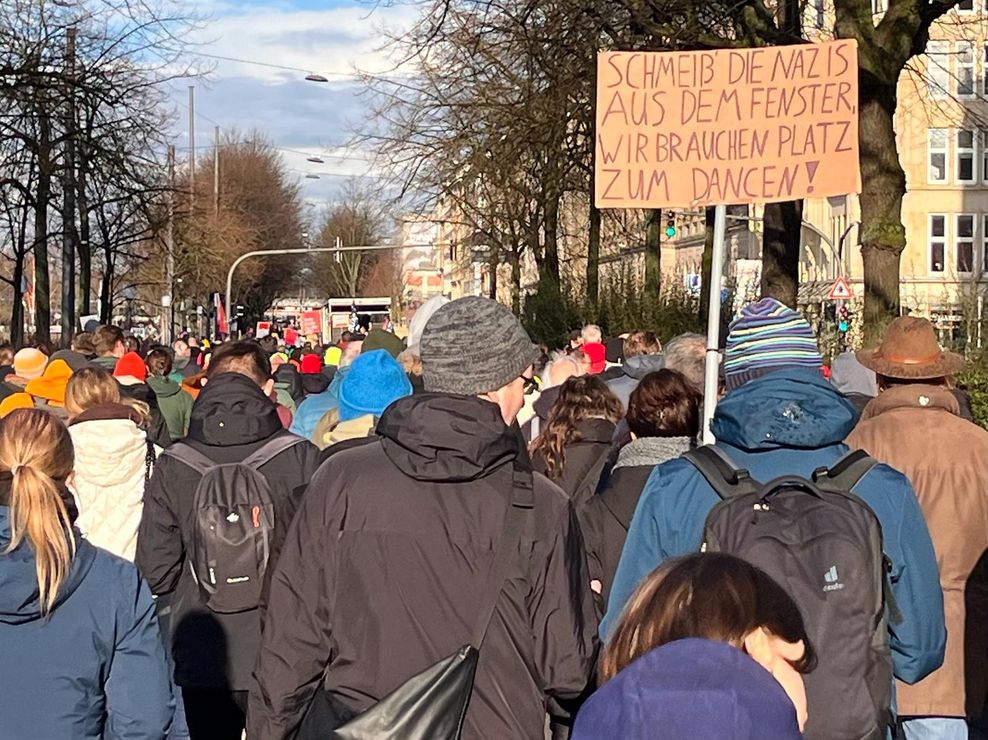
column 222, row 325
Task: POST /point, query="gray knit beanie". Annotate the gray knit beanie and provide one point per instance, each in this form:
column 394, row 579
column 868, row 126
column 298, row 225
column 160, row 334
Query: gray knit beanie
column 473, row 346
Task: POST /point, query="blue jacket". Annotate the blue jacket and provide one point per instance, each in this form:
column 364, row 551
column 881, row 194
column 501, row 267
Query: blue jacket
column 95, row 668
column 692, row 689
column 792, row 422
column 313, row 408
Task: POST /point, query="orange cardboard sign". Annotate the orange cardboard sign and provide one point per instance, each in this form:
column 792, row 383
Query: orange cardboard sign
column 685, row 129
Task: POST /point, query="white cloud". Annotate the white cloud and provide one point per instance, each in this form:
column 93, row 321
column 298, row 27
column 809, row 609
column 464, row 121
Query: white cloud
column 312, row 118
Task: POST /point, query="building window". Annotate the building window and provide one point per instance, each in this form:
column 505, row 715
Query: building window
column 984, row 244
column 966, row 152
column 964, row 243
column 965, row 69
column 965, row 6
column 938, row 242
column 820, row 16
column 937, row 155
column 878, row 6
column 938, row 68
column 984, row 81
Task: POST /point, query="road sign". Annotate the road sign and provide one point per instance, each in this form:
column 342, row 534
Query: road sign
column 841, row 290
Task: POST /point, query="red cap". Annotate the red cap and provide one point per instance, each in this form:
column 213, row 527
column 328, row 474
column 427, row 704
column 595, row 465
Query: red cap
column 131, row 365
column 311, row 364
column 598, row 357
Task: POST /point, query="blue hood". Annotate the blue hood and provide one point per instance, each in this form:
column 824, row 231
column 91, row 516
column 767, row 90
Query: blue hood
column 793, row 409
column 19, row 597
column 693, row 689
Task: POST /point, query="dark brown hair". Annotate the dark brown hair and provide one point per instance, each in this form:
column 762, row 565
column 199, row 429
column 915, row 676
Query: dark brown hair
column 106, row 338
column 159, row 362
column 641, row 343
column 585, row 397
column 245, row 357
column 664, row 404
column 708, row 595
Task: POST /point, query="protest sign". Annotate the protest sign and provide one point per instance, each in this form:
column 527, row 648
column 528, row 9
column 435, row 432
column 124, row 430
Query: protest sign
column 687, row 129
column 311, row 323
column 262, row 329
column 291, row 337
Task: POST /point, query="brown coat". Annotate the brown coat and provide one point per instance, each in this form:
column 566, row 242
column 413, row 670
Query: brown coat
column 916, row 429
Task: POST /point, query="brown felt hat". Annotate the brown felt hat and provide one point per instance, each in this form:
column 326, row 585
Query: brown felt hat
column 910, row 351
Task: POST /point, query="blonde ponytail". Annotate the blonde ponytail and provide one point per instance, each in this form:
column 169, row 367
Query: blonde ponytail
column 37, row 451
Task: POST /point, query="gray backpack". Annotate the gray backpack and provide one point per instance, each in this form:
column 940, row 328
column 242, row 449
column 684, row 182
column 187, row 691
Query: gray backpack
column 823, row 545
column 234, row 524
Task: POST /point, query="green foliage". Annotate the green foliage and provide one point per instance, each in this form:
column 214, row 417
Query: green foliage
column 974, row 379
column 550, row 313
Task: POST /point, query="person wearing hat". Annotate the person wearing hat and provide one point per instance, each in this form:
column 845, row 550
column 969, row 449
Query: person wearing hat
column 373, row 382
column 403, row 528
column 380, row 339
column 780, row 416
column 49, row 390
column 914, row 426
column 29, row 364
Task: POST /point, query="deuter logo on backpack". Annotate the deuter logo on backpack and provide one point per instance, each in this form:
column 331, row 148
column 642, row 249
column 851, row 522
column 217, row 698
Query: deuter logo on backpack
column 817, row 540
column 831, row 577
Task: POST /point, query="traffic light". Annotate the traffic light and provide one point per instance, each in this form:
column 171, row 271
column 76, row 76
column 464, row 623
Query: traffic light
column 670, row 226
column 843, row 319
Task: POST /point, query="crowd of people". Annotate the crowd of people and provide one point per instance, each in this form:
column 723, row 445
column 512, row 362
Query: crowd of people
column 207, row 540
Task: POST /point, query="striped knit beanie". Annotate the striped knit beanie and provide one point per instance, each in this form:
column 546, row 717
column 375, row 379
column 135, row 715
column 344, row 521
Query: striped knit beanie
column 766, row 337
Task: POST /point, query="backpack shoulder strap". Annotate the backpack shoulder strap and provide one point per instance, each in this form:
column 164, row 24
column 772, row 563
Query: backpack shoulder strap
column 590, row 482
column 271, row 449
column 846, row 473
column 189, row 455
column 522, row 501
column 726, row 478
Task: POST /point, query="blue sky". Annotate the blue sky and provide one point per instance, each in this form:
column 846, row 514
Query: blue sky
column 327, row 37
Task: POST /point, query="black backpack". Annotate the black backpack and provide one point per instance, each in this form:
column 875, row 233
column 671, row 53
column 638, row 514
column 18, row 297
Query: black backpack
column 823, row 545
column 234, row 524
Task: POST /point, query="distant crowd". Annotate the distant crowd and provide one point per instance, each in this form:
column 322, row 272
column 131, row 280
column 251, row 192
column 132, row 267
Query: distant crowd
column 461, row 534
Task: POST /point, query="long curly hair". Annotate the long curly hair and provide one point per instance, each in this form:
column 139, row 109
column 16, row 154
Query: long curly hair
column 582, row 398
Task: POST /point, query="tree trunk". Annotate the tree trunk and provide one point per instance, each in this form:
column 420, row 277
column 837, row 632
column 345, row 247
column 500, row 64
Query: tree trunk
column 780, row 251
column 515, row 260
column 106, row 289
column 593, row 252
column 883, row 237
column 552, row 225
column 492, row 269
column 653, row 255
column 84, row 247
column 42, row 288
column 17, row 308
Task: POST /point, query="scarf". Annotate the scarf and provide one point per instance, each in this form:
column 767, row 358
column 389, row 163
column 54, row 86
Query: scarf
column 652, row 451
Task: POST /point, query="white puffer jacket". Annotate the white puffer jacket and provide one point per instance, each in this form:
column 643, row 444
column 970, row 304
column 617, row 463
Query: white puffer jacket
column 110, row 469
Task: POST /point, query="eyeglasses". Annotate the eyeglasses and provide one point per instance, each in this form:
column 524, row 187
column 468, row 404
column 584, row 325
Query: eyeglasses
column 530, row 385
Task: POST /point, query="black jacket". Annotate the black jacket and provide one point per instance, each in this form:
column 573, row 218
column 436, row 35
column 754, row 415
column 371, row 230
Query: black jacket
column 383, row 572
column 230, row 420
column 587, row 457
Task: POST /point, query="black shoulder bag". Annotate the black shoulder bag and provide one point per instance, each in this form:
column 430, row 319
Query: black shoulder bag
column 432, row 704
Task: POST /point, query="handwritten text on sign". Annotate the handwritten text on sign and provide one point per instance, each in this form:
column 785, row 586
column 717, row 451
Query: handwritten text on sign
column 734, row 126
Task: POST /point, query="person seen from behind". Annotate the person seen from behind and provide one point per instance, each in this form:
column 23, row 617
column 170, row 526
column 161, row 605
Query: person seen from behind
column 663, row 416
column 709, row 647
column 405, row 528
column 780, row 417
column 233, row 420
column 914, row 426
column 113, row 459
column 81, row 648
column 642, row 355
column 573, row 447
column 110, row 346
column 175, row 404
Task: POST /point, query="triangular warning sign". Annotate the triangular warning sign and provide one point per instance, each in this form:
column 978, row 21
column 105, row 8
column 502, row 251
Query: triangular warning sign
column 841, row 290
